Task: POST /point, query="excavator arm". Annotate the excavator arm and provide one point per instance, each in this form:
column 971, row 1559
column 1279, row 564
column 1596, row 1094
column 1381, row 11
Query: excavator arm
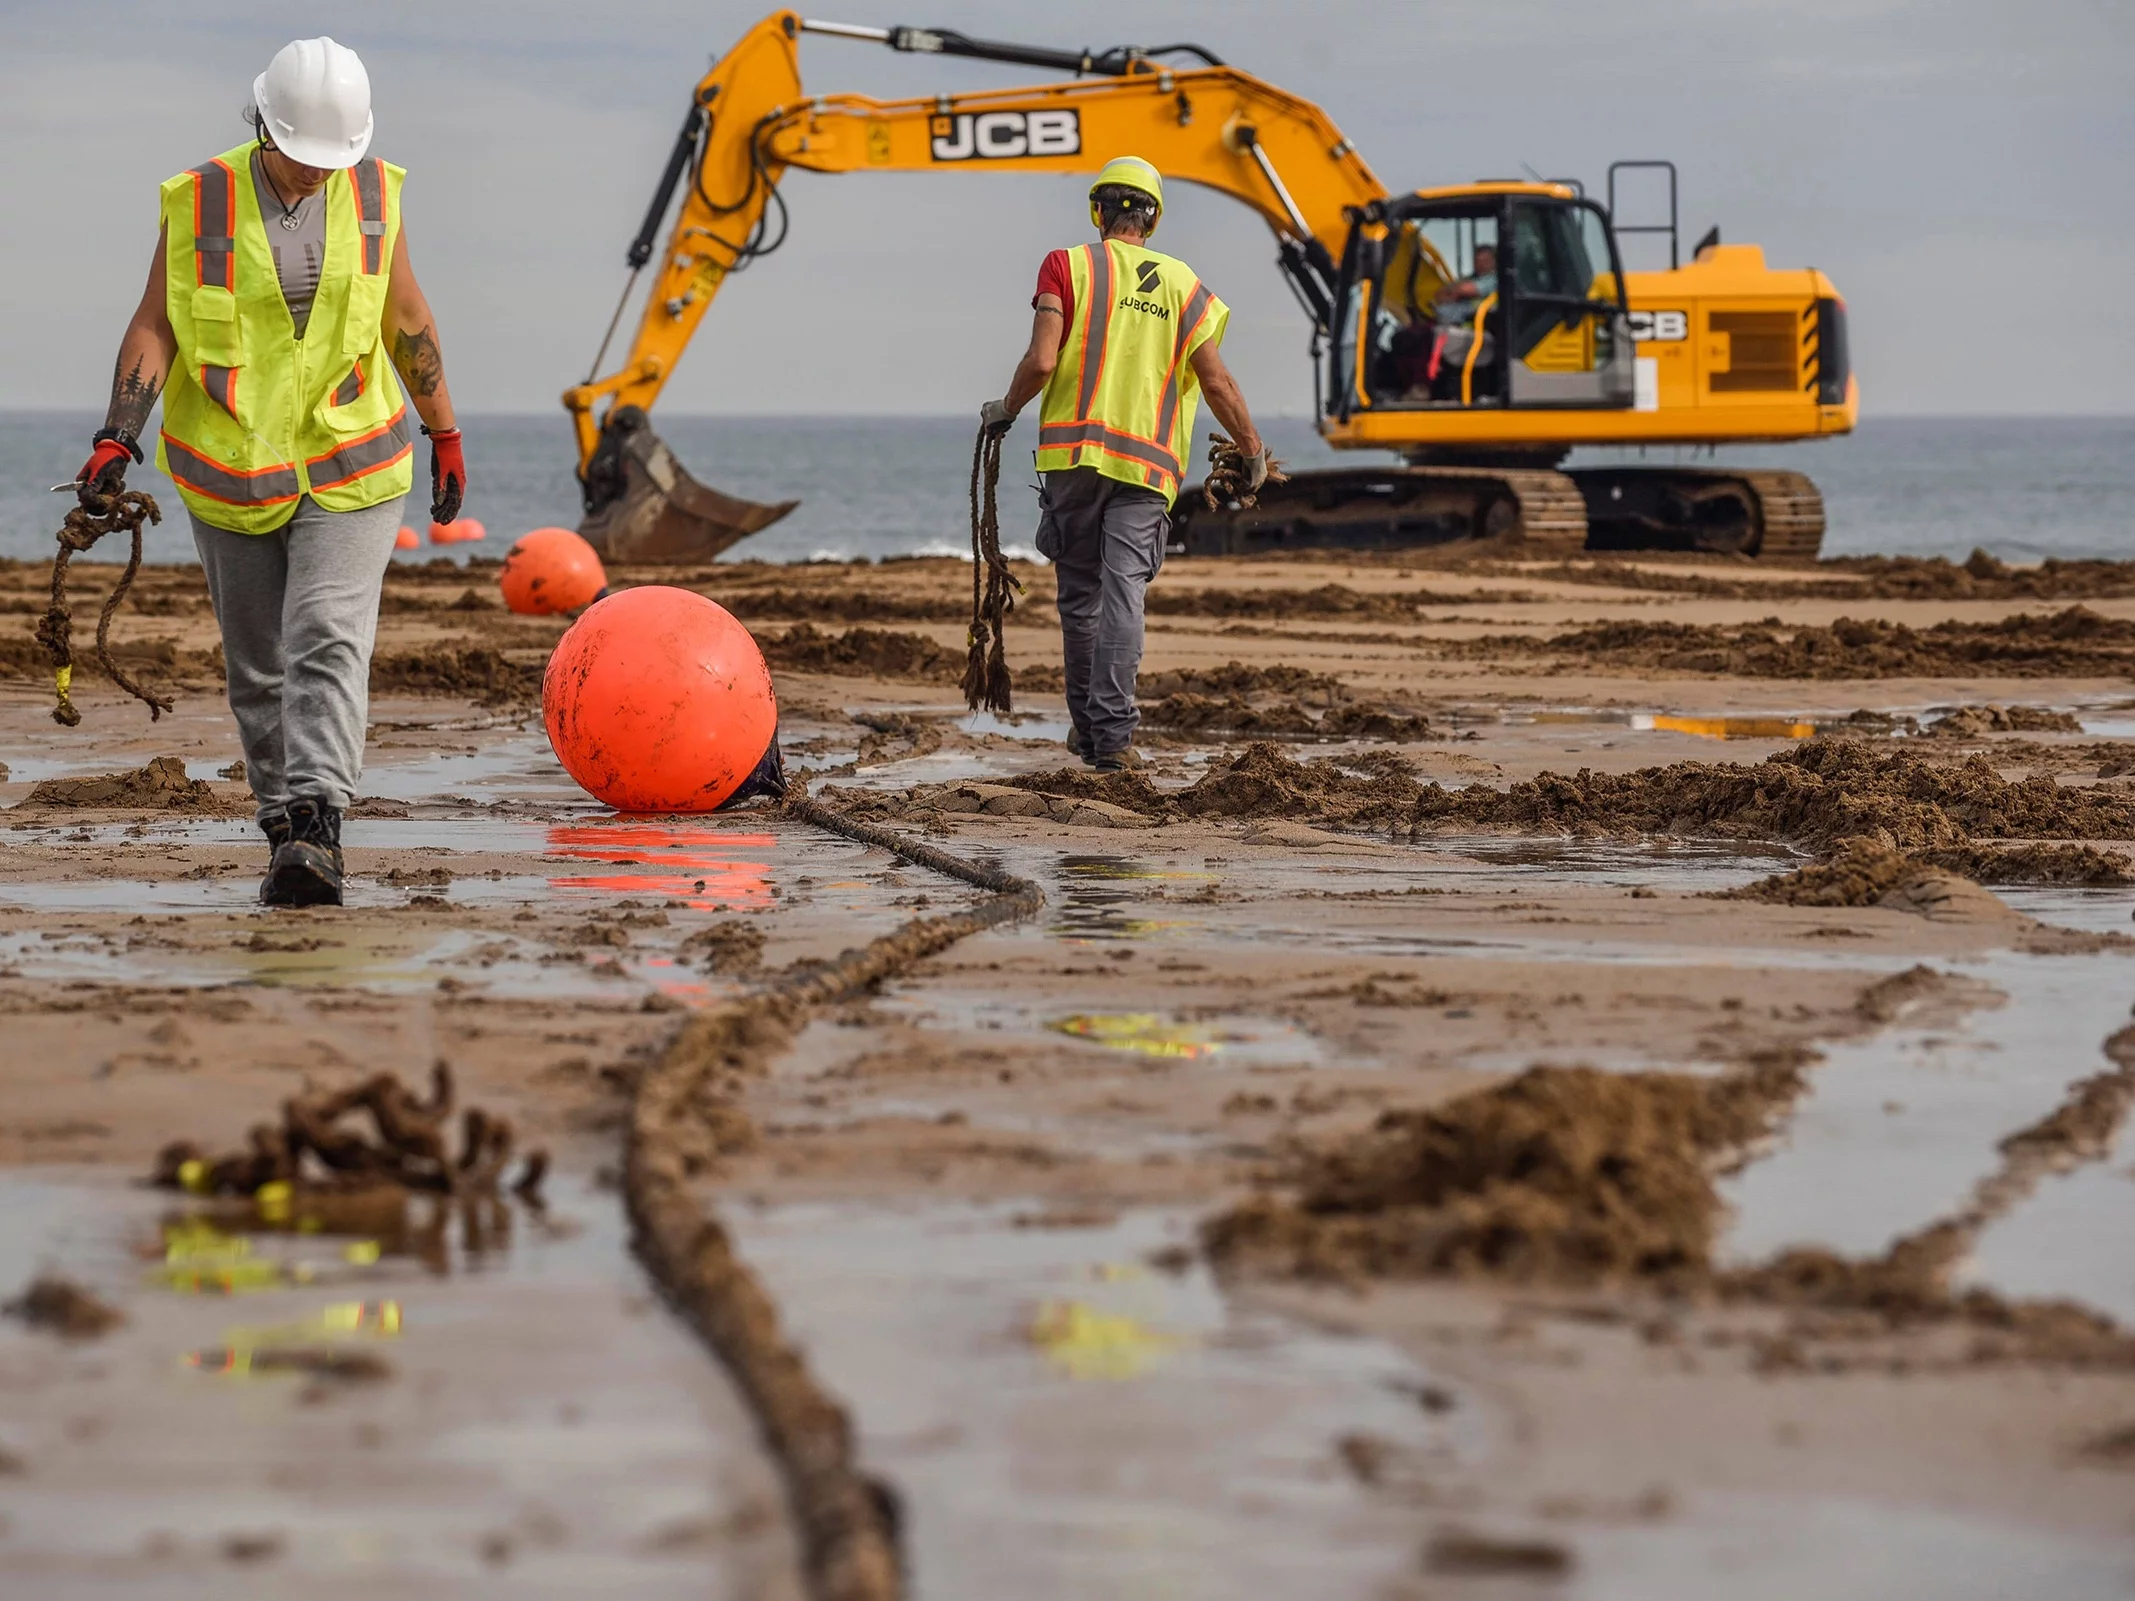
column 749, row 121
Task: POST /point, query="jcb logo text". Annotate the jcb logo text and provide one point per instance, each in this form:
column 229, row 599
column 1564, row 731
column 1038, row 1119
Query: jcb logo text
column 1002, row 135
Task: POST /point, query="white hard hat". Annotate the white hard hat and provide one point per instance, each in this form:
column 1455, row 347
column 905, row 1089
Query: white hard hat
column 314, row 101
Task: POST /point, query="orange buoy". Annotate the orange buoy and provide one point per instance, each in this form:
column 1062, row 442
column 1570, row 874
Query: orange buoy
column 406, row 539
column 458, row 531
column 551, row 570
column 657, row 700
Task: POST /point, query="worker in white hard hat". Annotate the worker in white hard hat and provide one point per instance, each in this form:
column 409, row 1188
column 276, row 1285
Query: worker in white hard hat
column 1123, row 343
column 280, row 305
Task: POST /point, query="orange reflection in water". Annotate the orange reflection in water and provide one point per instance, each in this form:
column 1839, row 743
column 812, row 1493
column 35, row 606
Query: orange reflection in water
column 696, row 865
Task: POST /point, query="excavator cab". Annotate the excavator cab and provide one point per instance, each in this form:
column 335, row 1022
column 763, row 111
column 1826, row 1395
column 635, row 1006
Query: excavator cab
column 1485, row 296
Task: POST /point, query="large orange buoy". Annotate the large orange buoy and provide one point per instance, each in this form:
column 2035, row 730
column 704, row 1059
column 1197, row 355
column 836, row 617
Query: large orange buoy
column 405, row 539
column 458, row 531
column 551, row 570
column 657, row 700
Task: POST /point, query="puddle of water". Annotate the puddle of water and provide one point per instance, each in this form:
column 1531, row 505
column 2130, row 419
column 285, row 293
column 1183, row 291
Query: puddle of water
column 2097, row 911
column 2066, row 1242
column 514, row 1416
column 1897, row 1128
column 1744, row 727
column 1681, row 866
column 1240, row 1040
column 1095, row 898
column 689, row 863
column 1065, row 1422
column 1043, row 730
column 521, row 767
column 1758, row 1548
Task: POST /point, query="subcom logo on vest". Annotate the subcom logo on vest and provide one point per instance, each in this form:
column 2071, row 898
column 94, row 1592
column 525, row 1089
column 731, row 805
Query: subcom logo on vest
column 1145, row 280
column 1004, row 135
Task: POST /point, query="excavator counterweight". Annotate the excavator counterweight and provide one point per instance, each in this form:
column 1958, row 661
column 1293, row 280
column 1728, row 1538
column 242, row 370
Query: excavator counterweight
column 1478, row 332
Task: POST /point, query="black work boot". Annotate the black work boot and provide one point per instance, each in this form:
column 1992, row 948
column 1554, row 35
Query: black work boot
column 275, row 825
column 306, row 870
column 1125, row 759
column 1078, row 744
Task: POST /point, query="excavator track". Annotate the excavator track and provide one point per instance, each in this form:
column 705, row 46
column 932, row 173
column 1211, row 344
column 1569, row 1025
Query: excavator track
column 1791, row 509
column 1389, row 508
column 1776, row 516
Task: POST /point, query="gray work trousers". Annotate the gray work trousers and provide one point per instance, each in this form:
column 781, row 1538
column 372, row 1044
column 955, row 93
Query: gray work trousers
column 1105, row 540
column 299, row 612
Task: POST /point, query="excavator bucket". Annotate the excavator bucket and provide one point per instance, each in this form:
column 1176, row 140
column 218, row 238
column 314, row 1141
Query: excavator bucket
column 642, row 505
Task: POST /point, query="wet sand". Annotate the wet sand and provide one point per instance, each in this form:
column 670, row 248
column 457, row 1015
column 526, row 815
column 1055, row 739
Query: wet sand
column 980, row 1196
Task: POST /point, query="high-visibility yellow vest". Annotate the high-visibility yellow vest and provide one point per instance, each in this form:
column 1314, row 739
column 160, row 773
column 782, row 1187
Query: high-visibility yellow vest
column 253, row 417
column 1123, row 396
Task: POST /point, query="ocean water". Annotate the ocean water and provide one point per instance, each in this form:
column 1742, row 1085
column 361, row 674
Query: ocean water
column 883, row 486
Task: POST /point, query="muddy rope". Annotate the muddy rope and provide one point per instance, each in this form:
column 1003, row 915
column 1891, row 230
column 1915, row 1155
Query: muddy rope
column 987, row 682
column 96, row 516
column 686, row 1112
column 1228, row 474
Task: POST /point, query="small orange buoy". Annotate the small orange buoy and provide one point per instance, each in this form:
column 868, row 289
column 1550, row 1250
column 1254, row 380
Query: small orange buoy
column 458, row 531
column 551, row 570
column 657, row 700
column 406, row 539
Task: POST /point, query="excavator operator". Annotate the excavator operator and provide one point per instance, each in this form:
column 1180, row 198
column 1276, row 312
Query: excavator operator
column 1123, row 343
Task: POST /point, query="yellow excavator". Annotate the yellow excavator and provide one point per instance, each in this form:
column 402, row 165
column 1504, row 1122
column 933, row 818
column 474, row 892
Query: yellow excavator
column 1479, row 332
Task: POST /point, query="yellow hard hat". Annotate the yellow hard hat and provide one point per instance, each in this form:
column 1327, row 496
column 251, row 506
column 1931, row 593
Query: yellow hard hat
column 1129, row 172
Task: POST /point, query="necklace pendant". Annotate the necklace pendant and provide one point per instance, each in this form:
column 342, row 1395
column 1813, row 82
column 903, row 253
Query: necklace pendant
column 290, row 222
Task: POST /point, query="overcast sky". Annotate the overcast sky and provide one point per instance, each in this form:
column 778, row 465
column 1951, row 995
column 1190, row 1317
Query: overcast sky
column 1963, row 169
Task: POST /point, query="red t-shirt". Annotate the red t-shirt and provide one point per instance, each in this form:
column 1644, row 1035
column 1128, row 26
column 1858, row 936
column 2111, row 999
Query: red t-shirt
column 1055, row 279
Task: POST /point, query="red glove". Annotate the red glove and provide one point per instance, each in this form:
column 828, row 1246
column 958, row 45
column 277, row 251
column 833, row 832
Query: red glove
column 448, row 474
column 104, row 473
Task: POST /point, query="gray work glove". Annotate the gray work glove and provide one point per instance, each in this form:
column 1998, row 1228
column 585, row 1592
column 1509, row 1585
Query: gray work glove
column 996, row 419
column 1256, row 470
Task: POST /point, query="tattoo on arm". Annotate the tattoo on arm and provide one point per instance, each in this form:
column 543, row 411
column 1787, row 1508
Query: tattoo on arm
column 133, row 394
column 417, row 358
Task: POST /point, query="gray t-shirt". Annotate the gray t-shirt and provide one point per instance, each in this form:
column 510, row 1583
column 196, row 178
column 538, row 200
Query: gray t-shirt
column 298, row 241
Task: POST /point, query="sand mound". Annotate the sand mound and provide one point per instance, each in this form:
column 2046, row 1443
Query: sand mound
column 1235, row 678
column 162, row 661
column 849, row 605
column 1865, row 872
column 479, row 672
column 1562, row 1173
column 2076, row 643
column 863, row 653
column 1260, row 782
column 1234, row 716
column 1328, row 600
column 160, row 786
column 1968, row 722
column 1816, row 794
column 1981, row 577
column 1263, row 782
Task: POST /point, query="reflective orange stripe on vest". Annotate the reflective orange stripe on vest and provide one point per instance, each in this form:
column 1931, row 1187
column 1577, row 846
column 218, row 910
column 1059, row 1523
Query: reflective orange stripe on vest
column 267, row 487
column 367, row 181
column 1131, row 447
column 215, row 225
column 377, row 450
column 351, row 389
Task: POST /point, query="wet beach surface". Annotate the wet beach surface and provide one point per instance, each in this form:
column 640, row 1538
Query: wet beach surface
column 977, row 1195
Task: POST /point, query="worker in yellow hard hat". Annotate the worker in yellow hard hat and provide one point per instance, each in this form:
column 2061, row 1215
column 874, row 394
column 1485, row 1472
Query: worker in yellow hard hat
column 280, row 306
column 1123, row 343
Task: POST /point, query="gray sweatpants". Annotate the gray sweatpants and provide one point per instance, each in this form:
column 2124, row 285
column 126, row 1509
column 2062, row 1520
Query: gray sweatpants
column 1105, row 540
column 299, row 611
